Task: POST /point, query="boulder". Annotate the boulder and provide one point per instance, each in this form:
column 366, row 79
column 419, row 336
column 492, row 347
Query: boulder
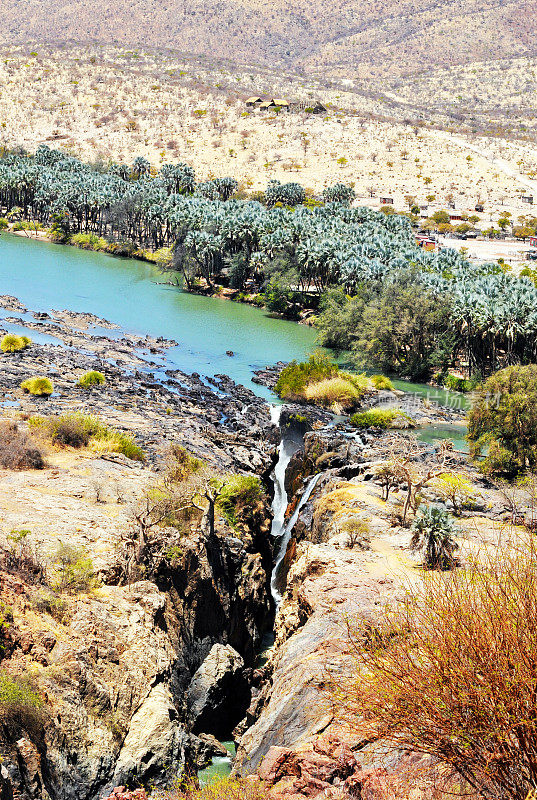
column 218, row 694
column 154, row 741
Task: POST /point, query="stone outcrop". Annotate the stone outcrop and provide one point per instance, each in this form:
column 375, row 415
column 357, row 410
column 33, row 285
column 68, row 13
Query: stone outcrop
column 218, row 694
column 114, row 665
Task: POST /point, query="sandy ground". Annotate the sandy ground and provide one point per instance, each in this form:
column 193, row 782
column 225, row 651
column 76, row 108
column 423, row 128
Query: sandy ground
column 116, row 108
column 513, row 252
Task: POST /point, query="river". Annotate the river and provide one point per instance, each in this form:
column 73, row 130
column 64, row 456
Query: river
column 132, row 294
column 128, row 292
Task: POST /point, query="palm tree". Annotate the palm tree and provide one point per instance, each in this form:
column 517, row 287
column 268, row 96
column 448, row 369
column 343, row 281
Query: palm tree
column 433, row 533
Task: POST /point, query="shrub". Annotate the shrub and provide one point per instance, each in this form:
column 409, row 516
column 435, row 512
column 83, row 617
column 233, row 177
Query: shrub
column 455, row 488
column 450, row 673
column 295, row 376
column 381, row 382
column 89, row 241
column 13, row 344
column 357, row 533
column 3, row 223
column 380, row 418
column 458, row 384
column 91, row 378
column 20, row 704
column 80, row 430
column 331, row 391
column 74, row 571
column 38, row 386
column 48, row 602
column 18, row 450
column 241, row 493
column 434, row 533
column 503, row 418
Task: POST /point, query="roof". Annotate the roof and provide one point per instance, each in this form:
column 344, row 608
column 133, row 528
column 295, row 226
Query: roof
column 267, row 104
column 253, row 100
column 281, row 102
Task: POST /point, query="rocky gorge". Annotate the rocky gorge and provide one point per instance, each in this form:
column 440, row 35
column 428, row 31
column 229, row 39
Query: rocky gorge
column 143, row 675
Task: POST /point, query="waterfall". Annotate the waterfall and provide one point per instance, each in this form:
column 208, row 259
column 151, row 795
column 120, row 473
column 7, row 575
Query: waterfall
column 286, row 535
column 279, row 530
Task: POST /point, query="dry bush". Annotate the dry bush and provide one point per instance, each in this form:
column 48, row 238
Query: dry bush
column 451, row 673
column 18, row 450
column 186, row 788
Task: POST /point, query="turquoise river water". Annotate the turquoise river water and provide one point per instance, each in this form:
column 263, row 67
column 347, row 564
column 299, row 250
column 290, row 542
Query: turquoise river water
column 132, row 294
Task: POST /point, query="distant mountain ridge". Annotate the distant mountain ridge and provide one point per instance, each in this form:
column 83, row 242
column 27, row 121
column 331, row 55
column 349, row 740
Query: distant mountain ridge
column 337, row 37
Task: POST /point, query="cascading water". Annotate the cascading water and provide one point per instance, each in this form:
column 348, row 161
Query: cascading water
column 275, row 582
column 279, row 530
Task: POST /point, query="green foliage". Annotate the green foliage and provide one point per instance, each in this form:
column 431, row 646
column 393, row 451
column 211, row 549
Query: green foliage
column 434, row 534
column 89, row 241
column 279, row 299
column 458, row 384
column 503, row 418
column 295, row 377
column 91, row 378
column 413, row 312
column 6, row 621
column 74, row 571
column 455, row 488
column 16, row 693
column 38, row 386
column 376, row 418
column 381, row 382
column 3, row 223
column 238, row 497
column 13, row 344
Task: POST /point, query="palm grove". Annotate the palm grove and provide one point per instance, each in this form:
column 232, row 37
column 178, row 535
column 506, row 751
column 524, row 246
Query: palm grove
column 380, row 296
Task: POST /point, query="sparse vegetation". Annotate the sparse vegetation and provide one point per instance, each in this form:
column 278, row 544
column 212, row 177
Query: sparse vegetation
column 91, row 379
column 81, row 430
column 18, row 449
column 20, row 703
column 239, row 497
column 450, row 673
column 39, row 386
column 14, row 344
column 74, row 571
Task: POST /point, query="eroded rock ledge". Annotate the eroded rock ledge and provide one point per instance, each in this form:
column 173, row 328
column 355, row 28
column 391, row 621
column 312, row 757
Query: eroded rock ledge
column 138, row 675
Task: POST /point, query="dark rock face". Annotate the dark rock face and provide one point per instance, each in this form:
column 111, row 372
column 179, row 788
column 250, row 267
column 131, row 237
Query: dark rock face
column 218, row 694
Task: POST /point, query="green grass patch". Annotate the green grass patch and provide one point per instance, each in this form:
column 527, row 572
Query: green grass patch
column 379, row 418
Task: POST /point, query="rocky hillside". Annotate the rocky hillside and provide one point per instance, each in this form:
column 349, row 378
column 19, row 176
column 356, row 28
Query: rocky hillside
column 298, row 741
column 344, row 36
column 128, row 629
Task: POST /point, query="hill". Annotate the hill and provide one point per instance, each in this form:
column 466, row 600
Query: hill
column 338, row 37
